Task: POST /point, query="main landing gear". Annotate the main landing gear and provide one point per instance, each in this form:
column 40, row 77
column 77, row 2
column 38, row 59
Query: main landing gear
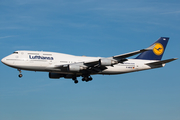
column 20, row 75
column 75, row 80
column 85, row 78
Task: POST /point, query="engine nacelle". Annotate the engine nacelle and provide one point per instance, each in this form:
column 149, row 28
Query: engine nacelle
column 74, row 68
column 107, row 62
column 55, row 75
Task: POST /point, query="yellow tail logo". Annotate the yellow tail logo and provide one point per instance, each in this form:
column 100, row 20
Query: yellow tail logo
column 158, row 49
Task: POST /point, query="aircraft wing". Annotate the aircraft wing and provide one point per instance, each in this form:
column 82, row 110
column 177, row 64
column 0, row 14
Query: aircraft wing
column 100, row 64
column 126, row 55
column 122, row 56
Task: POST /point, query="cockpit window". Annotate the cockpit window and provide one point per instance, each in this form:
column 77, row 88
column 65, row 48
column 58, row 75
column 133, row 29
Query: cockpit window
column 15, row 52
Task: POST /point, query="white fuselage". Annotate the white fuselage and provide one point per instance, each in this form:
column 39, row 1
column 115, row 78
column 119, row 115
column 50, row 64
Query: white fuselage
column 47, row 61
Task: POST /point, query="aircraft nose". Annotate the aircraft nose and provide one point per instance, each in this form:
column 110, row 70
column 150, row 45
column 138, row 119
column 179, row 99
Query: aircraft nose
column 3, row 60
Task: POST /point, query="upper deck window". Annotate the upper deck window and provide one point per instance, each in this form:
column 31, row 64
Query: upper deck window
column 15, row 52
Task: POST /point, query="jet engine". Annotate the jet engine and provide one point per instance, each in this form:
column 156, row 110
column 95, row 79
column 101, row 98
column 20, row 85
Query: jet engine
column 74, row 68
column 107, row 62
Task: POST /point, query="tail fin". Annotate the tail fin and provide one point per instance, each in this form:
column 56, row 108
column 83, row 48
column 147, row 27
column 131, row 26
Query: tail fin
column 157, row 52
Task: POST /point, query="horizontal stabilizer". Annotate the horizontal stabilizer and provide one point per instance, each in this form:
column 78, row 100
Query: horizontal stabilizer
column 162, row 62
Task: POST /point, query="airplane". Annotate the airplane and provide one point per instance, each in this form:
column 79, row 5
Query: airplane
column 70, row 67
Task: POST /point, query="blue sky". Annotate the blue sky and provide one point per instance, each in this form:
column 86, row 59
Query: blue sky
column 91, row 28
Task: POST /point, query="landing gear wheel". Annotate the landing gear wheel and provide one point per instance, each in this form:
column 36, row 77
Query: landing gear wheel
column 87, row 78
column 20, row 75
column 75, row 81
column 90, row 78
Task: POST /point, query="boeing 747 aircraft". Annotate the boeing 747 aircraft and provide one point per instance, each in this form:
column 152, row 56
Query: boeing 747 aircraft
column 69, row 66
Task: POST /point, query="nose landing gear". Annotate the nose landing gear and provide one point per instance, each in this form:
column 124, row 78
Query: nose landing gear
column 20, row 75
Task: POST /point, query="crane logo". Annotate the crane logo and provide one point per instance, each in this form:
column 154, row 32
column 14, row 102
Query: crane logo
column 158, row 49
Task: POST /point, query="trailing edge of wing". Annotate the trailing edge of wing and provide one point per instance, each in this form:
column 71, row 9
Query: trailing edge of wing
column 162, row 62
column 133, row 53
